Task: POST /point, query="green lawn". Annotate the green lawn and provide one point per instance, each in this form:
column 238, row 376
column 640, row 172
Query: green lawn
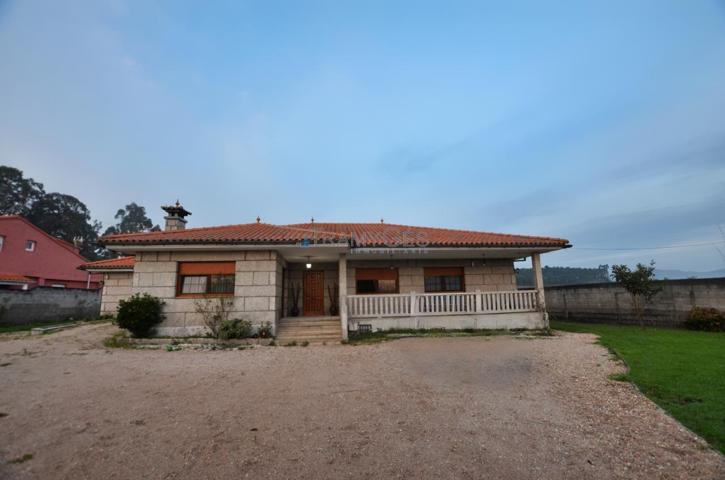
column 30, row 326
column 680, row 370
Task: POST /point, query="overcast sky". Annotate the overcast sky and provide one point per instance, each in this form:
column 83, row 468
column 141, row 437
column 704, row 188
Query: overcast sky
column 601, row 122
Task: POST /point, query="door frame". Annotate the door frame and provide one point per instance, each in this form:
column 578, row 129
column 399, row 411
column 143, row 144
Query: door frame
column 305, row 311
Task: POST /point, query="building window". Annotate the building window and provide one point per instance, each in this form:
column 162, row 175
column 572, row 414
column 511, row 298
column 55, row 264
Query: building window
column 376, row 280
column 30, row 245
column 445, row 279
column 2, row 242
column 205, row 278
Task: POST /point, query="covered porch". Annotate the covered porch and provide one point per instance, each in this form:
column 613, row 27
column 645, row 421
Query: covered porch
column 328, row 283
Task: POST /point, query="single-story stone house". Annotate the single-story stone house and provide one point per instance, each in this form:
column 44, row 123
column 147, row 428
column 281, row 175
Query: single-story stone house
column 320, row 281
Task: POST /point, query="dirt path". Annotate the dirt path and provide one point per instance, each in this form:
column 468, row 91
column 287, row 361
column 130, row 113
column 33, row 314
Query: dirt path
column 481, row 407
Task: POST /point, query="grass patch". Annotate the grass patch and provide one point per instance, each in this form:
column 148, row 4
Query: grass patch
column 682, row 371
column 384, row 336
column 117, row 340
column 29, row 326
column 23, row 459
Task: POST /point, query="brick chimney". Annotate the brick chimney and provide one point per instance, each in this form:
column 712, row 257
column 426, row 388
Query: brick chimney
column 175, row 217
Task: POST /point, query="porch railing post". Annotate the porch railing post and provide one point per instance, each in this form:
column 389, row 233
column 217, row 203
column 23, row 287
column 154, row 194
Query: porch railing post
column 342, row 287
column 539, row 284
column 413, row 304
column 477, row 301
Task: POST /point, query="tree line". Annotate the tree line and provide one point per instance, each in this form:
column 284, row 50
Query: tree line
column 65, row 216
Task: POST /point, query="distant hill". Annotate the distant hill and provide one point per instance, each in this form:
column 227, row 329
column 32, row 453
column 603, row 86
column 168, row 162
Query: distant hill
column 661, row 274
column 564, row 275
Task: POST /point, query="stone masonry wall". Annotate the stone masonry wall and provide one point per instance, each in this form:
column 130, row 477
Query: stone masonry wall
column 45, row 304
column 116, row 286
column 255, row 292
column 610, row 303
column 489, row 275
column 492, row 275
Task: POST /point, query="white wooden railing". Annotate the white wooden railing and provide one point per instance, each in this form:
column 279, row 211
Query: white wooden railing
column 458, row 303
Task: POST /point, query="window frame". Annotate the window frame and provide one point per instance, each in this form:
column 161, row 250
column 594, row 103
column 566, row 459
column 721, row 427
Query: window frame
column 32, row 244
column 377, row 272
column 2, row 242
column 429, row 272
column 197, row 269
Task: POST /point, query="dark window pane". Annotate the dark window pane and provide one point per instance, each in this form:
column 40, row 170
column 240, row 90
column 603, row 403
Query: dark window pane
column 222, row 284
column 365, row 286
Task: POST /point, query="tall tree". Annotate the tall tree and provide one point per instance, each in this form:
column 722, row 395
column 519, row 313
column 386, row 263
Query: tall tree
column 131, row 219
column 17, row 194
column 67, row 218
column 639, row 283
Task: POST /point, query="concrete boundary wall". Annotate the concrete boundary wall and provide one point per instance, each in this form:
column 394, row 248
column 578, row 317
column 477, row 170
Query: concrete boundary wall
column 610, row 303
column 20, row 307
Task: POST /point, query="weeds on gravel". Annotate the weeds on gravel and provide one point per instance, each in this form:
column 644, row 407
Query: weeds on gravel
column 23, row 459
column 117, row 340
column 293, row 343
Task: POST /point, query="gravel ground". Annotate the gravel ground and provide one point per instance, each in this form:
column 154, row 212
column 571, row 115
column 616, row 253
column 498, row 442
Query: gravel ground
column 475, row 407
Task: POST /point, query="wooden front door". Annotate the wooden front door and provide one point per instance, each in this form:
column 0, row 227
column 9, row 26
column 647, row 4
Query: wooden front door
column 313, row 293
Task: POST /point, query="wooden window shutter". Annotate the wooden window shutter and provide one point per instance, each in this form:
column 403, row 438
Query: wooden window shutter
column 376, row 274
column 206, row 268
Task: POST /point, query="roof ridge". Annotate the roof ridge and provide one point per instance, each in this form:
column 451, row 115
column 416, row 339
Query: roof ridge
column 444, row 229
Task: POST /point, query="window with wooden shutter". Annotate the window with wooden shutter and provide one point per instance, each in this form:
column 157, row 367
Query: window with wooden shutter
column 376, row 280
column 444, row 279
column 198, row 279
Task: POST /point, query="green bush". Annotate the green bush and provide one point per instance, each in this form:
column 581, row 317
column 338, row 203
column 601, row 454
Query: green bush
column 140, row 314
column 235, row 328
column 708, row 319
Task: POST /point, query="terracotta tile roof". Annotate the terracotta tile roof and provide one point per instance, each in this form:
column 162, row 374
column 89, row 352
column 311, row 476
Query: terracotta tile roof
column 360, row 234
column 385, row 234
column 16, row 278
column 110, row 264
column 247, row 233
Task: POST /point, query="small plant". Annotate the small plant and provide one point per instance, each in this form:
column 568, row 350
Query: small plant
column 305, row 343
column 265, row 330
column 172, row 348
column 272, row 343
column 214, row 312
column 293, row 343
column 707, row 319
column 117, row 340
column 235, row 328
column 23, row 459
column 140, row 314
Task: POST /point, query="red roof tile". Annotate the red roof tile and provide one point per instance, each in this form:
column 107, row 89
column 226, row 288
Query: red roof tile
column 360, row 234
column 110, row 264
column 14, row 277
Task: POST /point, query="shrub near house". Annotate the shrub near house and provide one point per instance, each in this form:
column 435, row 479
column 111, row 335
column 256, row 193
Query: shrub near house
column 140, row 314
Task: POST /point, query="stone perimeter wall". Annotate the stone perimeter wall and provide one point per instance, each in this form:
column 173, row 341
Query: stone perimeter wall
column 257, row 276
column 45, row 304
column 610, row 303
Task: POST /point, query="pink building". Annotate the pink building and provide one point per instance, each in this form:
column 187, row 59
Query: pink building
column 31, row 258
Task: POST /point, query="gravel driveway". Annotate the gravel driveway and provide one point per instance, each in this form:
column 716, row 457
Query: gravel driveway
column 476, row 407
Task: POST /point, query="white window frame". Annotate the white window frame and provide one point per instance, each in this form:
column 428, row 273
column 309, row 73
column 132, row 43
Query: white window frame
column 2, row 242
column 30, row 245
